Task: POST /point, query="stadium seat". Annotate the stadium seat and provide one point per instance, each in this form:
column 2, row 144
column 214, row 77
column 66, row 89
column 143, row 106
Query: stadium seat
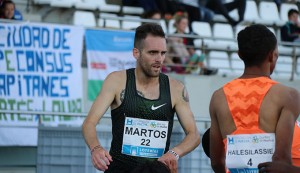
column 102, row 18
column 223, row 31
column 88, row 4
column 163, row 25
column 130, row 24
column 202, row 29
column 64, row 3
column 237, row 64
column 108, row 23
column 284, row 8
column 238, row 28
column 251, row 13
column 220, row 60
column 132, row 10
column 104, row 7
column 285, row 50
column 42, row 1
column 84, row 18
column 283, row 66
column 269, row 14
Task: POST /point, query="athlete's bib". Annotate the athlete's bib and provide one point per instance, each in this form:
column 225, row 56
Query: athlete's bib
column 245, row 152
column 144, row 138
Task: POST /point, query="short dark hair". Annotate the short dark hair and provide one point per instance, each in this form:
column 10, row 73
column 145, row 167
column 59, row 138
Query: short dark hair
column 5, row 2
column 144, row 30
column 152, row 167
column 255, row 42
column 292, row 11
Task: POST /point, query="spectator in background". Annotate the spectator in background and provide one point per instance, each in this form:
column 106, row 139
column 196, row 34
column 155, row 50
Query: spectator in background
column 182, row 48
column 7, row 10
column 178, row 45
column 219, row 7
column 153, row 14
column 191, row 7
column 290, row 32
column 167, row 8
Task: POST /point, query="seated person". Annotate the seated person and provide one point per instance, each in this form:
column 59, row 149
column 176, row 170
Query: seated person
column 183, row 50
column 153, row 14
column 290, row 32
column 219, row 7
column 7, row 10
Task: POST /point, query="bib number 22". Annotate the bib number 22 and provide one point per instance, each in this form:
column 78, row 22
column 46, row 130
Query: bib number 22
column 145, row 142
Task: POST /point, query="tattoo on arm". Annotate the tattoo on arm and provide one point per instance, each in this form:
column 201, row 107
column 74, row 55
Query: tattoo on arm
column 140, row 93
column 185, row 95
column 122, row 95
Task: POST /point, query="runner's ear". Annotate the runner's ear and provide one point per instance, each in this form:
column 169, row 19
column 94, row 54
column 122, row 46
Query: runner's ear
column 205, row 142
column 136, row 53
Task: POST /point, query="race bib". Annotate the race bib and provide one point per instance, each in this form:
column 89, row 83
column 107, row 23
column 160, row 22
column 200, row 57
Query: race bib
column 144, row 138
column 245, row 152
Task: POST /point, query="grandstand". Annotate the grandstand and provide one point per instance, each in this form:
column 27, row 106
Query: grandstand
column 60, row 148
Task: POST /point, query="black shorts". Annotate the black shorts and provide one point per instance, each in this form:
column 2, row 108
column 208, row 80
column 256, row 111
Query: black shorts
column 117, row 166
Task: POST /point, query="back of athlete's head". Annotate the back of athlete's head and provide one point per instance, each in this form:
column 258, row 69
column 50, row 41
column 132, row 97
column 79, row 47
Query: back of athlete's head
column 152, row 167
column 144, row 30
column 255, row 42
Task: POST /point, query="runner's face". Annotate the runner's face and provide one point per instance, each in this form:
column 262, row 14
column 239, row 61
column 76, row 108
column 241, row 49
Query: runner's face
column 152, row 55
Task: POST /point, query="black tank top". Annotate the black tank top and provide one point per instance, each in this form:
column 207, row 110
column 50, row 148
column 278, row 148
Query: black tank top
column 137, row 106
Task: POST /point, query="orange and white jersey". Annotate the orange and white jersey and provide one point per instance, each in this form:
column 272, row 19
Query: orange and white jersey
column 296, row 145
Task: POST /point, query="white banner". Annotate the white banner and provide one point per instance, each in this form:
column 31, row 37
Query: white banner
column 107, row 51
column 40, row 70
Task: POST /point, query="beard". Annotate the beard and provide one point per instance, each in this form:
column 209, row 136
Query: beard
column 150, row 70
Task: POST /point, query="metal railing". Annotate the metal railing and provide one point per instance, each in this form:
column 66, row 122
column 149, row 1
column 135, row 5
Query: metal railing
column 73, row 114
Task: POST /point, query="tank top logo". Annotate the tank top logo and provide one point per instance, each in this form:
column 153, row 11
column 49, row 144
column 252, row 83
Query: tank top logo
column 157, row 107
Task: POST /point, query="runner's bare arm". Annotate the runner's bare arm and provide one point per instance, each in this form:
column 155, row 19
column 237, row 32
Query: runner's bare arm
column 285, row 126
column 98, row 109
column 186, row 119
column 217, row 150
column 100, row 157
column 180, row 102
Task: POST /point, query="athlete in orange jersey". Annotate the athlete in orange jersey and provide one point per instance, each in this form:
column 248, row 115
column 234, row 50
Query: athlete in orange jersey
column 296, row 145
column 253, row 103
